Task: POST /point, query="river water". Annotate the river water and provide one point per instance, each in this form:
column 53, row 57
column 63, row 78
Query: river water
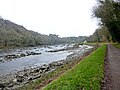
column 45, row 57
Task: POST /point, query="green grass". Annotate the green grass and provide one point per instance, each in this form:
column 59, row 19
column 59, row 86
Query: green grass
column 117, row 45
column 87, row 75
column 92, row 44
column 53, row 74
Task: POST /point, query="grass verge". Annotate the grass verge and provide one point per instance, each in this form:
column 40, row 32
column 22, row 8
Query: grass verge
column 48, row 77
column 117, row 45
column 87, row 75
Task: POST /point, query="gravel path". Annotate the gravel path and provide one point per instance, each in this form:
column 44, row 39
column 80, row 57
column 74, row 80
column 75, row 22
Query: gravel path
column 113, row 64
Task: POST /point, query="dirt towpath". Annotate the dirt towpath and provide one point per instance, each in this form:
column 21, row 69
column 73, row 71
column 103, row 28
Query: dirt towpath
column 113, row 72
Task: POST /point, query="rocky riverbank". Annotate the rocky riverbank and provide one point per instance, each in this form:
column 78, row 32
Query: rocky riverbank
column 11, row 57
column 20, row 78
column 13, row 54
column 14, row 80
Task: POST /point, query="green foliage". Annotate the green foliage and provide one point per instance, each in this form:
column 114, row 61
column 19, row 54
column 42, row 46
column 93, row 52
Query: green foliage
column 87, row 75
column 109, row 13
column 100, row 35
column 49, row 76
column 12, row 34
column 117, row 45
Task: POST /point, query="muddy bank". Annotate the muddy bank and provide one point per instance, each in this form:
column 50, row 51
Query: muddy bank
column 20, row 78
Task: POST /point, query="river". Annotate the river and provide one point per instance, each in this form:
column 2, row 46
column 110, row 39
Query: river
column 48, row 54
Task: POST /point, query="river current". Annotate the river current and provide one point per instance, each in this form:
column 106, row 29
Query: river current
column 45, row 57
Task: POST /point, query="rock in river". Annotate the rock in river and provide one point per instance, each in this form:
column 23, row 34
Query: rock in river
column 11, row 56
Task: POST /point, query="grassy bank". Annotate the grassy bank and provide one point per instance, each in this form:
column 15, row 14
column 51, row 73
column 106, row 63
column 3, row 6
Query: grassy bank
column 48, row 77
column 117, row 45
column 86, row 75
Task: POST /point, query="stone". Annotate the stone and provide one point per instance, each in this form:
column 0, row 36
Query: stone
column 14, row 80
column 43, row 67
column 22, row 55
column 32, row 53
column 10, row 85
column 11, row 57
column 2, row 85
column 36, row 70
column 19, row 80
column 26, row 74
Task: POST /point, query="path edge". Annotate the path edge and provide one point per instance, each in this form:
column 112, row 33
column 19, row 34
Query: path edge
column 106, row 82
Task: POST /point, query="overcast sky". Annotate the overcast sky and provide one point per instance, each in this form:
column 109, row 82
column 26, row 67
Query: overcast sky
column 61, row 17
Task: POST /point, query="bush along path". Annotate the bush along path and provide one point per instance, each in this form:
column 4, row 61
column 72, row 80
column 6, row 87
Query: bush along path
column 112, row 69
column 86, row 75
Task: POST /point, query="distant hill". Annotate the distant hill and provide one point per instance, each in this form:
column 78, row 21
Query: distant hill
column 100, row 35
column 12, row 34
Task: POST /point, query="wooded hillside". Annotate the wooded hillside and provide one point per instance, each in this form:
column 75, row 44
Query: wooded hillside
column 101, row 34
column 12, row 34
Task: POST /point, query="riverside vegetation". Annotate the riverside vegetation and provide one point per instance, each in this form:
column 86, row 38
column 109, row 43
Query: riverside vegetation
column 14, row 35
column 86, row 75
column 117, row 45
column 49, row 77
column 27, row 78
